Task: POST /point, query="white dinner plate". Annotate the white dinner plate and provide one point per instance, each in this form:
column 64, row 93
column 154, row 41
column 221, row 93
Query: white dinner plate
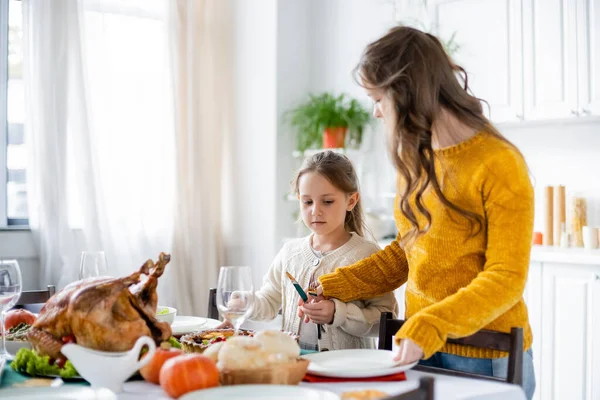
column 354, row 363
column 186, row 324
column 53, row 393
column 266, row 392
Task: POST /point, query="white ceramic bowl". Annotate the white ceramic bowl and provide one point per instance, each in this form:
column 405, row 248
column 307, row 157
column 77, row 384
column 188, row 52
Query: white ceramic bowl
column 13, row 346
column 167, row 317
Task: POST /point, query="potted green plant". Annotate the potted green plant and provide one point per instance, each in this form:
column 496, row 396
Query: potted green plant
column 324, row 121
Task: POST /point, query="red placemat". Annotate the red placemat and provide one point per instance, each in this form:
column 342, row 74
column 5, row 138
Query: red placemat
column 400, row 376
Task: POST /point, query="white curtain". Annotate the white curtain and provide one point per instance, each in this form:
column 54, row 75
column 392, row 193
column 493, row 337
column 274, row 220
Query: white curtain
column 127, row 123
column 200, row 52
column 55, row 111
column 99, row 128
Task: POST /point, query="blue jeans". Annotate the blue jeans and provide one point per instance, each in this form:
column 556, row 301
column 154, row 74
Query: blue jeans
column 497, row 367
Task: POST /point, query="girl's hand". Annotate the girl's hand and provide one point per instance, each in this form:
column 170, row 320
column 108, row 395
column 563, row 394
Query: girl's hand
column 311, row 299
column 320, row 312
column 225, row 325
column 408, row 352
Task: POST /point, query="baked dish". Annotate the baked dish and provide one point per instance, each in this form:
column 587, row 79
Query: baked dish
column 197, row 342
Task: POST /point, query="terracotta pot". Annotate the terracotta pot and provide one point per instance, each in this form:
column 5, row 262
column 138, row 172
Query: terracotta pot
column 333, row 138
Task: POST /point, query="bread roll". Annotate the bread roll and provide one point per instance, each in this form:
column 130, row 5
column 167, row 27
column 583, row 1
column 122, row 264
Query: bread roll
column 280, row 346
column 241, row 352
column 212, row 351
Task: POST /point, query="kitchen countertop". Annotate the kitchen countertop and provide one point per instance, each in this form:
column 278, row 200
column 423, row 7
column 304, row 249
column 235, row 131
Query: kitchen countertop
column 568, row 256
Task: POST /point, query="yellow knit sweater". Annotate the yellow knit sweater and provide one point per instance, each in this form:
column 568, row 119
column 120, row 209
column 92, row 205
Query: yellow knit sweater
column 458, row 283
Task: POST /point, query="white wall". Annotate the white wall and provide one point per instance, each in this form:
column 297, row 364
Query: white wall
column 565, row 153
column 293, row 82
column 250, row 234
column 18, row 244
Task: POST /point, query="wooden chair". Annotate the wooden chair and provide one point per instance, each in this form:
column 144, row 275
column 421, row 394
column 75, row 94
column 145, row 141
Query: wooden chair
column 213, row 311
column 425, row 391
column 36, row 296
column 509, row 342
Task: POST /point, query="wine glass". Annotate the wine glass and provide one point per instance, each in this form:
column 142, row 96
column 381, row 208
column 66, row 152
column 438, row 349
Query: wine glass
column 10, row 290
column 234, row 294
column 93, row 263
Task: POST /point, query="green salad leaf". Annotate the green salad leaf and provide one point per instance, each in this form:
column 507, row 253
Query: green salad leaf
column 162, row 311
column 174, row 342
column 28, row 361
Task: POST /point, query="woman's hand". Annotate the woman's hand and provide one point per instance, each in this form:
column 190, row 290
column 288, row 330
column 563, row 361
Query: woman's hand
column 320, row 312
column 311, row 299
column 408, row 352
column 225, row 325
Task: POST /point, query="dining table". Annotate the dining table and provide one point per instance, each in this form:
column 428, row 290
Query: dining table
column 14, row 385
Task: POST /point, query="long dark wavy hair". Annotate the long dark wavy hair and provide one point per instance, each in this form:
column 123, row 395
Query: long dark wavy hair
column 416, row 73
column 337, row 169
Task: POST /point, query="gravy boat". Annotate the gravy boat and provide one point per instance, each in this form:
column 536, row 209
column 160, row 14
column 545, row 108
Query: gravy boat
column 103, row 369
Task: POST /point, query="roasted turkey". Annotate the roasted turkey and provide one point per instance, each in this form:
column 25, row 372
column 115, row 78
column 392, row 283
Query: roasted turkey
column 102, row 313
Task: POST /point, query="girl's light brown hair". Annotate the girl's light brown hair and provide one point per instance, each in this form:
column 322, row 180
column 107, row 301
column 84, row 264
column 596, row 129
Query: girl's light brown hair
column 337, row 169
column 414, row 70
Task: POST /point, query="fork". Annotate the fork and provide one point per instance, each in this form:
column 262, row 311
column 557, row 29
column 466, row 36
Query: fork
column 311, row 284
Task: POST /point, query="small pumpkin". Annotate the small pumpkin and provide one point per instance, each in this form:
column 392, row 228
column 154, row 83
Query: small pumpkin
column 151, row 371
column 188, row 372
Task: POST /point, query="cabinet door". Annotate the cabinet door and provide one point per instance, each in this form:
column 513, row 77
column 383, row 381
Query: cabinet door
column 533, row 299
column 569, row 295
column 588, row 56
column 489, row 36
column 550, row 59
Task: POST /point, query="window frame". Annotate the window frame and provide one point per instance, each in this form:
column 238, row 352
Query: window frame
column 5, row 221
column 3, row 111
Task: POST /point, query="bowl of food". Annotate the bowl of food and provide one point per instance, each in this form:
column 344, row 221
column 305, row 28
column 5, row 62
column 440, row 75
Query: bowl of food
column 166, row 314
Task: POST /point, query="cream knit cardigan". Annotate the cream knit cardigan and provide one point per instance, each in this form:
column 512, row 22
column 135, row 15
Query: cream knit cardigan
column 355, row 324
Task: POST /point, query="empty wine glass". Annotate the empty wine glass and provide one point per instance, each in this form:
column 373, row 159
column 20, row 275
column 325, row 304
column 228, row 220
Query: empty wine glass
column 234, row 294
column 10, row 290
column 93, row 263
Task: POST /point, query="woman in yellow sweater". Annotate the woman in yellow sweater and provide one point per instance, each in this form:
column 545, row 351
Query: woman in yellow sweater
column 464, row 211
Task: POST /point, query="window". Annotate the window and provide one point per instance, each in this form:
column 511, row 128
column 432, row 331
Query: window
column 13, row 156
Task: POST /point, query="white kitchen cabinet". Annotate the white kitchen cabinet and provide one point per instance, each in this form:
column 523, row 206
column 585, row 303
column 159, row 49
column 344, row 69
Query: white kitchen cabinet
column 588, row 56
column 561, row 51
column 550, row 58
column 533, row 299
column 566, row 320
column 489, row 35
column 529, row 59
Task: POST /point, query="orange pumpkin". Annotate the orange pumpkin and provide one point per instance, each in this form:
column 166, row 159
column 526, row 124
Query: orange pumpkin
column 188, row 372
column 151, row 371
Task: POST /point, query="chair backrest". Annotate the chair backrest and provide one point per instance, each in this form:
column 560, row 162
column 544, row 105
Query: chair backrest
column 36, row 296
column 213, row 311
column 512, row 343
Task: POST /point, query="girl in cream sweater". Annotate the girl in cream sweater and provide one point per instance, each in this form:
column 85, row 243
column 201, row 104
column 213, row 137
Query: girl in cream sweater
column 327, row 190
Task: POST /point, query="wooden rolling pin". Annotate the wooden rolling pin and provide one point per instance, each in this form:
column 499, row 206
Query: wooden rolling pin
column 560, row 214
column 549, row 207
